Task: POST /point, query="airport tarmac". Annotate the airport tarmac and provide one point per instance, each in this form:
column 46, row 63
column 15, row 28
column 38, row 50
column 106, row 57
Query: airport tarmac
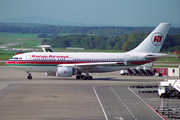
column 107, row 97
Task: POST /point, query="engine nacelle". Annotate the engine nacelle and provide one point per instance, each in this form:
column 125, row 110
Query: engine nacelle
column 64, row 72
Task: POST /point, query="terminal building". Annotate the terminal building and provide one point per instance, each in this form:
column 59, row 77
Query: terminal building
column 167, row 72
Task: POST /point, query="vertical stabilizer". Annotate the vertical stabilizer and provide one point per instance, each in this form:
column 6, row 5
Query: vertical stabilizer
column 155, row 40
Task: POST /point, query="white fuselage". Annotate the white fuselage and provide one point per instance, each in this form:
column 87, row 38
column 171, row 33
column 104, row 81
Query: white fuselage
column 47, row 62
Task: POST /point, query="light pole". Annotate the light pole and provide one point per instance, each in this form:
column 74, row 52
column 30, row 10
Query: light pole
column 22, row 42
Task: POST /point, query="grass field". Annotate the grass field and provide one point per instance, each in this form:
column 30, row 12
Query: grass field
column 5, row 55
column 18, row 35
column 169, row 59
column 28, row 40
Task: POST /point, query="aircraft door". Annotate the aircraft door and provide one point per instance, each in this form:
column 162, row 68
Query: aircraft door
column 28, row 63
column 28, row 57
column 71, row 59
column 128, row 57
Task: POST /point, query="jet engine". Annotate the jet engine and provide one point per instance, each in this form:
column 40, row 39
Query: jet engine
column 65, row 72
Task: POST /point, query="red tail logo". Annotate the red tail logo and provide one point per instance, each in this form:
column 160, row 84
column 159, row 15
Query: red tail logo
column 157, row 38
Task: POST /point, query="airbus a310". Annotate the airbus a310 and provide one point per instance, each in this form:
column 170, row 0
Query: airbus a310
column 67, row 64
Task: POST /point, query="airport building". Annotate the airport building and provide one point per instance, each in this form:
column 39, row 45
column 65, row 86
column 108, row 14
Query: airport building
column 168, row 72
column 174, row 72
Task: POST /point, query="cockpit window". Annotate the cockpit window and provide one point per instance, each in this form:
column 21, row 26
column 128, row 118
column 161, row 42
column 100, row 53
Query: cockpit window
column 15, row 58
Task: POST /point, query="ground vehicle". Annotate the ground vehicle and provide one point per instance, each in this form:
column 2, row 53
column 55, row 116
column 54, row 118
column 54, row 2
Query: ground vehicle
column 169, row 89
column 124, row 72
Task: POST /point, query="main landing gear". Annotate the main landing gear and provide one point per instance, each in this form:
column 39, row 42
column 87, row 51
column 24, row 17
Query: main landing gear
column 84, row 77
column 29, row 75
column 87, row 77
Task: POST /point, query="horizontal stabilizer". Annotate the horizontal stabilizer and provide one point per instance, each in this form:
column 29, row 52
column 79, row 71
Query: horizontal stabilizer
column 153, row 58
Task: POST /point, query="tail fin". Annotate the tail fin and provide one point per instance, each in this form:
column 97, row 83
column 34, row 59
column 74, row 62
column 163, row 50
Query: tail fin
column 155, row 40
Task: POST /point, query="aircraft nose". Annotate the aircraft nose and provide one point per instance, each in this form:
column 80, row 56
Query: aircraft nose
column 7, row 62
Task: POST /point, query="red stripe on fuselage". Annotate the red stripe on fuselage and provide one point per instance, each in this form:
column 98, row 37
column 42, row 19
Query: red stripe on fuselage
column 139, row 62
column 47, row 62
column 71, row 62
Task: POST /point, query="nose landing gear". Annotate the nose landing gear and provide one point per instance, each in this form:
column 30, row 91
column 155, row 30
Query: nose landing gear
column 29, row 75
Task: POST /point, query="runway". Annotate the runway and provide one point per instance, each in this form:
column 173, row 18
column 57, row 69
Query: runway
column 107, row 97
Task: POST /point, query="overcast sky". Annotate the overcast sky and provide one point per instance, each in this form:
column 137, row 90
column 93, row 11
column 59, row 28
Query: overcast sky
column 112, row 12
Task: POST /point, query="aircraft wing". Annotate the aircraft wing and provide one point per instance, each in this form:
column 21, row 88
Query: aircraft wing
column 88, row 65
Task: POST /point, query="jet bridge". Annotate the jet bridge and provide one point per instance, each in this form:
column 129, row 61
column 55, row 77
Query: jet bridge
column 46, row 48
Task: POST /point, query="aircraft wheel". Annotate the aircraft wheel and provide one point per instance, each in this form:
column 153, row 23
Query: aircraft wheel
column 90, row 78
column 163, row 95
column 84, row 77
column 78, row 77
column 29, row 77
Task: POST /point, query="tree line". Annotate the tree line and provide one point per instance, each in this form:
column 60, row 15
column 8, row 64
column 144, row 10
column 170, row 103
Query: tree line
column 124, row 42
column 94, row 37
column 100, row 31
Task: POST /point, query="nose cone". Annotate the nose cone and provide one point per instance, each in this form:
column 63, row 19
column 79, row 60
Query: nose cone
column 7, row 62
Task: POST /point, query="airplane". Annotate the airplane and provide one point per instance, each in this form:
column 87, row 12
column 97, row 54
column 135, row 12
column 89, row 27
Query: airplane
column 67, row 64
